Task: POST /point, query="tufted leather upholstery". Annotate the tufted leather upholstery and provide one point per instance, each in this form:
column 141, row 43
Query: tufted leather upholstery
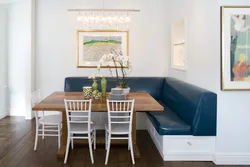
column 188, row 109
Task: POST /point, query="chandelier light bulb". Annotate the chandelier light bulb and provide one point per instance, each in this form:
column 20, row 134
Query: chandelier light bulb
column 79, row 18
column 97, row 19
column 103, row 18
column 114, row 18
column 121, row 19
column 127, row 19
column 86, row 19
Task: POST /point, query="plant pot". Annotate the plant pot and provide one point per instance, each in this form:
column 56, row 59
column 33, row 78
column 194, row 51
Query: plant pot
column 126, row 90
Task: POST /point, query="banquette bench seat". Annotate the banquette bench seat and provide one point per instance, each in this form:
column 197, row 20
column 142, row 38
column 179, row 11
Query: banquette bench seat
column 189, row 113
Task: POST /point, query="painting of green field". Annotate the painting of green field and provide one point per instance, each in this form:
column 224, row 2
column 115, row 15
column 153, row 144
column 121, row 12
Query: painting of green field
column 96, row 46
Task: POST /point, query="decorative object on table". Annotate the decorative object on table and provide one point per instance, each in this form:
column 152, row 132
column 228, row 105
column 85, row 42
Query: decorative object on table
column 87, row 91
column 96, row 94
column 235, row 48
column 94, row 85
column 121, row 62
column 126, row 90
column 104, row 86
column 93, row 44
column 116, row 91
column 117, row 94
column 178, row 44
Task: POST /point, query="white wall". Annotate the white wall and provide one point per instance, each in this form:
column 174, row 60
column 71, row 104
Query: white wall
column 20, row 57
column 56, row 41
column 203, row 58
column 3, row 59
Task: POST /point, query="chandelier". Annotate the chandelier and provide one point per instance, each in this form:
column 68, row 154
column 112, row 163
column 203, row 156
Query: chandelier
column 103, row 18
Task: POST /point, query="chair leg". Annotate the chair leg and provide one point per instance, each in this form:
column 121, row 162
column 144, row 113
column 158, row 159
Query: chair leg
column 59, row 137
column 106, row 140
column 90, row 149
column 94, row 139
column 72, row 144
column 36, row 138
column 131, row 149
column 128, row 145
column 43, row 131
column 67, row 150
column 108, row 149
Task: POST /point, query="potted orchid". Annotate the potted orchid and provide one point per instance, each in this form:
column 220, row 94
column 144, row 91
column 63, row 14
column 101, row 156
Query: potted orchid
column 119, row 61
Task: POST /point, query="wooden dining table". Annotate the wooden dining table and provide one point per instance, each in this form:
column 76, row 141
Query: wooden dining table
column 55, row 102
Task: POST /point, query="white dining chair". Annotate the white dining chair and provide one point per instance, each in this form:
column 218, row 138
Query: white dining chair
column 78, row 113
column 119, row 124
column 46, row 125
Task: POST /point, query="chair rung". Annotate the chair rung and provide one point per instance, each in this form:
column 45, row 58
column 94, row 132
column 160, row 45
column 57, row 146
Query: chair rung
column 78, row 111
column 50, row 126
column 120, row 111
column 78, row 121
column 79, row 137
column 47, row 135
column 78, row 116
column 119, row 138
column 119, row 116
column 120, row 122
column 45, row 130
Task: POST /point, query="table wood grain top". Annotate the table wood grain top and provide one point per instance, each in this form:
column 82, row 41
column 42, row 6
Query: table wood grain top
column 55, row 102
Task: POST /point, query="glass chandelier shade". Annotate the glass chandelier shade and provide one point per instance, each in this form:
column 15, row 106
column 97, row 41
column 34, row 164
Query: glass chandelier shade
column 103, row 20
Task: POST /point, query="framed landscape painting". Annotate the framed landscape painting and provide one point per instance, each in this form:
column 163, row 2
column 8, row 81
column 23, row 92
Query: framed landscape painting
column 93, row 44
column 235, row 48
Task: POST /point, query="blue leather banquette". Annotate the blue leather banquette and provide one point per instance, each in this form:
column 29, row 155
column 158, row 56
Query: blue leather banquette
column 188, row 109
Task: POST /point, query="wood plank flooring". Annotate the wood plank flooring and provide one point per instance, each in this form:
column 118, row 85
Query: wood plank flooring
column 17, row 141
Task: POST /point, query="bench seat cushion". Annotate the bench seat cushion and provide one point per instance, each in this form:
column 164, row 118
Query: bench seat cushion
column 169, row 123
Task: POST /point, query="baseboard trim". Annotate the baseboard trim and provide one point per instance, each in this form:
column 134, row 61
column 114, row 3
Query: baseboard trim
column 16, row 112
column 3, row 114
column 232, row 159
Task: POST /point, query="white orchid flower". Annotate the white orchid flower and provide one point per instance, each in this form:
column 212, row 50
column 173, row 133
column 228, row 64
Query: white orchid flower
column 92, row 76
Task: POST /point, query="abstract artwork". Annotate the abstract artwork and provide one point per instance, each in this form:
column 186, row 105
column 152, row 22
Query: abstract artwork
column 92, row 45
column 235, row 48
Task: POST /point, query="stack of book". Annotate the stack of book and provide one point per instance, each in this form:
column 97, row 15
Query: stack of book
column 117, row 94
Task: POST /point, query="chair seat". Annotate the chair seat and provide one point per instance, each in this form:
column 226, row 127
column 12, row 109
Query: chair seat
column 80, row 128
column 118, row 128
column 51, row 119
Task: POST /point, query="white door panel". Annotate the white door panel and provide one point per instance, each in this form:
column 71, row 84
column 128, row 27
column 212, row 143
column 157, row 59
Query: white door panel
column 3, row 61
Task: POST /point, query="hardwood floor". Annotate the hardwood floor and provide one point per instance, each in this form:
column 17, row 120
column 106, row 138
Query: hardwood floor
column 17, row 141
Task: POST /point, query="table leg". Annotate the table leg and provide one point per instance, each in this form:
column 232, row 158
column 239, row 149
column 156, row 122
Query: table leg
column 62, row 150
column 136, row 150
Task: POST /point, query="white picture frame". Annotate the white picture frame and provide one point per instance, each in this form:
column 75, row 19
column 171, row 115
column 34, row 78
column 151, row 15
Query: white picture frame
column 179, row 45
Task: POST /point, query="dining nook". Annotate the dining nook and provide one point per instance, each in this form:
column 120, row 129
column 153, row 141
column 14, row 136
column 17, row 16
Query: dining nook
column 124, row 83
column 55, row 102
